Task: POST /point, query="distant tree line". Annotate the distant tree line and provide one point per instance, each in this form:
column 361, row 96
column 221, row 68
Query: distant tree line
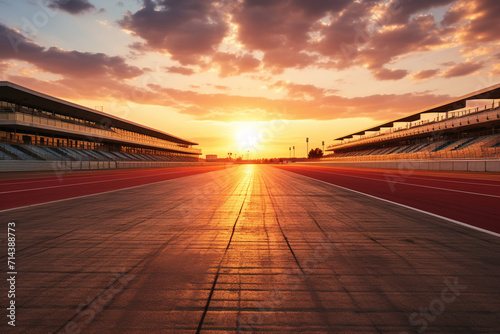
column 315, row 153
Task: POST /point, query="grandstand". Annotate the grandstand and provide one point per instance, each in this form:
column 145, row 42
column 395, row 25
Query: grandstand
column 35, row 126
column 464, row 128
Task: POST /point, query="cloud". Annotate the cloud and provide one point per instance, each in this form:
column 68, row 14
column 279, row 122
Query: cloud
column 299, row 91
column 420, row 34
column 481, row 21
column 73, row 64
column 496, row 70
column 300, row 102
column 180, row 70
column 425, row 74
column 296, row 105
column 232, row 64
column 221, row 87
column 448, row 63
column 73, row 7
column 187, row 29
column 255, row 36
column 401, row 10
column 463, row 69
column 388, row 74
column 5, row 66
column 278, row 60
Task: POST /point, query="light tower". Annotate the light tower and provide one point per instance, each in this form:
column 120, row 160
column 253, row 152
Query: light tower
column 307, row 147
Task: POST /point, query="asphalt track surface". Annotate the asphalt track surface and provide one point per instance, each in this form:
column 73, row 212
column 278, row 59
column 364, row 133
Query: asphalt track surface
column 247, row 249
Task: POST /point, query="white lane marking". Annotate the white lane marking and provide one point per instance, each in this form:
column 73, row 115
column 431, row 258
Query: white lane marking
column 411, row 184
column 409, row 207
column 83, row 183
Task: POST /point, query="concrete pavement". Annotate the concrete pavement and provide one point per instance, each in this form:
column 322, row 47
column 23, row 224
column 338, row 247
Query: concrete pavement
column 248, row 249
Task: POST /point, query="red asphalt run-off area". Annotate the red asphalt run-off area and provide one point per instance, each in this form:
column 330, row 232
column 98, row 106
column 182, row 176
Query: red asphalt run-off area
column 470, row 198
column 50, row 187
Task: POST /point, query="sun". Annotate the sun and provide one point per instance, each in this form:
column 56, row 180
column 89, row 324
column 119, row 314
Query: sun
column 247, row 136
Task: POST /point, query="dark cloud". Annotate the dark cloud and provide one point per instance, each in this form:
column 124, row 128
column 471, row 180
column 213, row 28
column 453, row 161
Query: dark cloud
column 455, row 15
column 73, row 7
column 463, row 69
column 180, row 70
column 187, row 29
column 300, row 34
column 267, row 25
column 73, row 64
column 400, row 11
column 420, row 34
column 347, row 32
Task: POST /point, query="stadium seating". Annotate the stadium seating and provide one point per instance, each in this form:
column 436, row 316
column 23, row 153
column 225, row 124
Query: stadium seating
column 487, row 146
column 10, row 151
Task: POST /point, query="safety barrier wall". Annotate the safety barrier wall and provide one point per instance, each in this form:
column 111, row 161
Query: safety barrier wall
column 442, row 165
column 33, row 166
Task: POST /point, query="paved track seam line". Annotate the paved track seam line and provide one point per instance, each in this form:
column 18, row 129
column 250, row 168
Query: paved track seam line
column 304, row 275
column 212, row 289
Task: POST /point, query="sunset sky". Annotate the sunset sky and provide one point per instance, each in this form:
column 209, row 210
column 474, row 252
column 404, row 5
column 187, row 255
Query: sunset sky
column 252, row 77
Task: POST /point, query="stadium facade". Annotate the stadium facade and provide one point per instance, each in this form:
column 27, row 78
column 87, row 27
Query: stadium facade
column 36, row 126
column 464, row 128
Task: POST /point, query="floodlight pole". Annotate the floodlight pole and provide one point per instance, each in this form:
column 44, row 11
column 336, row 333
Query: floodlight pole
column 307, row 147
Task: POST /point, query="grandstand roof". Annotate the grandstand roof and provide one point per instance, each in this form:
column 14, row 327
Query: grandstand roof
column 14, row 93
column 492, row 92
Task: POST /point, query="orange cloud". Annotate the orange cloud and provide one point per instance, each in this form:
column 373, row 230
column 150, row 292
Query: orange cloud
column 180, row 70
column 463, row 69
column 425, row 74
